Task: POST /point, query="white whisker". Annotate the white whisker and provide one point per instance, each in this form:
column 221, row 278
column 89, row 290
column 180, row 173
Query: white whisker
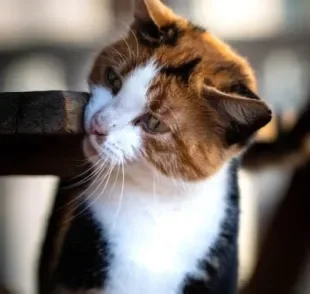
column 100, row 170
column 120, row 198
column 93, row 194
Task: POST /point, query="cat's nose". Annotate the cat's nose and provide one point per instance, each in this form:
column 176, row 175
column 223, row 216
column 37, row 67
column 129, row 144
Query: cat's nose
column 97, row 126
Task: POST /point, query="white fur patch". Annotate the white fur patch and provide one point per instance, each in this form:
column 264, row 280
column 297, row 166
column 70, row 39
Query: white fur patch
column 158, row 229
column 117, row 113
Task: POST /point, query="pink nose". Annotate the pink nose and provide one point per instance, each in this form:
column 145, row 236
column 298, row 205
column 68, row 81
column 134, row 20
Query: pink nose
column 96, row 127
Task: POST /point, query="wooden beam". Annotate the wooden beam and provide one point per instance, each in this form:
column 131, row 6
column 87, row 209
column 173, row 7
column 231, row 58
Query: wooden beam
column 51, row 112
column 41, row 133
column 41, row 155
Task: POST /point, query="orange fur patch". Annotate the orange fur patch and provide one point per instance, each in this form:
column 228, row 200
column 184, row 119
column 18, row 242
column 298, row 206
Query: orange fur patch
column 196, row 147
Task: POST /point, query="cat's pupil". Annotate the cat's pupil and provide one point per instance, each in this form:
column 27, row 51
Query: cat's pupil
column 117, row 84
column 153, row 123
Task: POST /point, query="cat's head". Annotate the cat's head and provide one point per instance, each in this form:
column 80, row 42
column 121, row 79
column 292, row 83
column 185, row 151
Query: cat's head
column 173, row 95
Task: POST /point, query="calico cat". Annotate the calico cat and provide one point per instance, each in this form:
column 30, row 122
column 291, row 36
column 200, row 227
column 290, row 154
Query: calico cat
column 172, row 108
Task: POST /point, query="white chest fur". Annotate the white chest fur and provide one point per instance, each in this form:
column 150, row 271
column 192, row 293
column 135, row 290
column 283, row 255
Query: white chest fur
column 157, row 240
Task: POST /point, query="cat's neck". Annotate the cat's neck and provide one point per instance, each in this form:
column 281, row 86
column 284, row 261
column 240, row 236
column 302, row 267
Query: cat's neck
column 143, row 193
column 159, row 233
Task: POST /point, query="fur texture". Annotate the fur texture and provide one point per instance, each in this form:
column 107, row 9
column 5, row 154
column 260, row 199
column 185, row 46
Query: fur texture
column 171, row 108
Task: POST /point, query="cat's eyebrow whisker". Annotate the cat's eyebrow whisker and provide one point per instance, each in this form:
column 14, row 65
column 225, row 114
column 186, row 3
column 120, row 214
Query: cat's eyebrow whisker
column 136, row 39
column 130, row 52
column 127, row 27
column 122, row 56
column 117, row 63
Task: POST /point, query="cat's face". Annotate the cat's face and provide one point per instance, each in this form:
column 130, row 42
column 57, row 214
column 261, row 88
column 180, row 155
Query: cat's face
column 172, row 95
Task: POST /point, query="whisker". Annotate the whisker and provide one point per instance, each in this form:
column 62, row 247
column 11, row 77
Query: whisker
column 122, row 56
column 93, row 201
column 137, row 43
column 101, row 169
column 93, row 165
column 130, row 52
column 113, row 186
column 120, row 198
column 84, row 180
column 116, row 62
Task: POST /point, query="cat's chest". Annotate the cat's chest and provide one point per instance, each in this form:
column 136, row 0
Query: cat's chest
column 155, row 245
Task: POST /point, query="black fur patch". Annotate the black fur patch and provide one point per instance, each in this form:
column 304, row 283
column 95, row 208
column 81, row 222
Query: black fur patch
column 183, row 71
column 150, row 35
column 228, row 66
column 223, row 273
column 85, row 257
column 237, row 133
column 197, row 28
column 244, row 91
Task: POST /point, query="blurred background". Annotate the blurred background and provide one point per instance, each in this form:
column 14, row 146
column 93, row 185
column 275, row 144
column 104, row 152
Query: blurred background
column 50, row 44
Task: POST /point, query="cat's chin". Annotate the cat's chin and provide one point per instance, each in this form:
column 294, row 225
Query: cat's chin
column 95, row 149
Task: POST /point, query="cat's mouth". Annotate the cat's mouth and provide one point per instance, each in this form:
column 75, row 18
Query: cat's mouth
column 97, row 146
column 92, row 145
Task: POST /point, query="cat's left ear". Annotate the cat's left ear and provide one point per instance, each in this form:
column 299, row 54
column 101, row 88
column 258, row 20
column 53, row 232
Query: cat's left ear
column 155, row 11
column 239, row 117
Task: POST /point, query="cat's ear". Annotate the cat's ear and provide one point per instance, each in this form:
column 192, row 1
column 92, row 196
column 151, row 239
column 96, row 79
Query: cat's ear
column 239, row 116
column 155, row 11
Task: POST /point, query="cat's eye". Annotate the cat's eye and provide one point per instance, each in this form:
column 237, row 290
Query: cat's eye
column 152, row 124
column 113, row 79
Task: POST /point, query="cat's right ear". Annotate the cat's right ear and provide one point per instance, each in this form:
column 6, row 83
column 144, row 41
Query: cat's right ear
column 239, row 117
column 155, row 11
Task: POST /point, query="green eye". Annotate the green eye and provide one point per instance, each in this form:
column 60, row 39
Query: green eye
column 114, row 80
column 152, row 124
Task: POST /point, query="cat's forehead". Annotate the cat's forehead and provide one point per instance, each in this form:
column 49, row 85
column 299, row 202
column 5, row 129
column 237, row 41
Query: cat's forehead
column 183, row 49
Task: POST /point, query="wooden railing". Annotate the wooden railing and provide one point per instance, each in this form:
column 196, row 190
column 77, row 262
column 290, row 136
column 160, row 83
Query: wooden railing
column 40, row 133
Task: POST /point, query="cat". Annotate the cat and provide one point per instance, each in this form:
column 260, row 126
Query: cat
column 172, row 108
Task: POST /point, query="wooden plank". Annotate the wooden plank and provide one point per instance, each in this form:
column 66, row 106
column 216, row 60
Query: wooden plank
column 41, row 155
column 51, row 112
column 41, row 133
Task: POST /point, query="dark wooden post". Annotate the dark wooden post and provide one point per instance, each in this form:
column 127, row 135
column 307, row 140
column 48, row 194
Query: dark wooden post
column 40, row 133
